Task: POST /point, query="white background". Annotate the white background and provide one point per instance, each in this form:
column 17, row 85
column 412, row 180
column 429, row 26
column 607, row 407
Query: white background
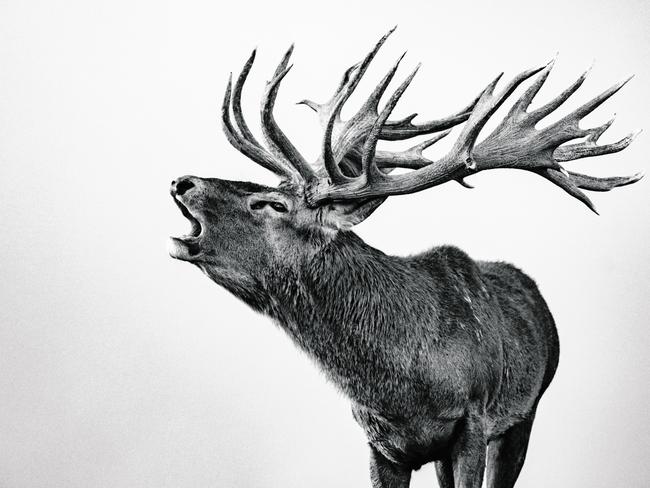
column 120, row 367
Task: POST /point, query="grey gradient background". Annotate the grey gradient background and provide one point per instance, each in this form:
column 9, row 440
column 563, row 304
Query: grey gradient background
column 120, row 367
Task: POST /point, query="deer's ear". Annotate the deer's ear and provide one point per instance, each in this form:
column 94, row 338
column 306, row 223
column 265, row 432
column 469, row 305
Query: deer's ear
column 345, row 215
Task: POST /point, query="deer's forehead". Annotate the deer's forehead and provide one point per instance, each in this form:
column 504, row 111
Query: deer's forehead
column 246, row 188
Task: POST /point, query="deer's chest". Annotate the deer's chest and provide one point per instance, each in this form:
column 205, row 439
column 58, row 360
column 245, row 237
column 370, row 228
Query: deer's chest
column 410, row 441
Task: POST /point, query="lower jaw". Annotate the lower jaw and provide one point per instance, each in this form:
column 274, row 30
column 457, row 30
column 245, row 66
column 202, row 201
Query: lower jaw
column 185, row 250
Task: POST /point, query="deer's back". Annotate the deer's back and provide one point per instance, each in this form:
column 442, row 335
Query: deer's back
column 529, row 337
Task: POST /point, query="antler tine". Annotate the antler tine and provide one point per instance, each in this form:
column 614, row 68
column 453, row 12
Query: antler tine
column 348, row 83
column 324, row 110
column 372, row 102
column 331, row 111
column 357, row 128
column 564, row 181
column 522, row 104
column 277, row 140
column 368, row 163
column 247, row 147
column 485, row 108
column 593, row 183
column 412, row 158
column 398, row 130
column 572, row 183
column 567, row 127
column 356, row 72
column 236, row 101
column 590, row 148
column 362, row 67
column 596, row 132
column 551, row 106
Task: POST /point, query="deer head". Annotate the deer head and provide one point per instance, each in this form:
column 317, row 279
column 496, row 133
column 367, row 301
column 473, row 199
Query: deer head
column 240, row 229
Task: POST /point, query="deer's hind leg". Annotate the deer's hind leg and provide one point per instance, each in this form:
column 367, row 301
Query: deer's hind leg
column 506, row 455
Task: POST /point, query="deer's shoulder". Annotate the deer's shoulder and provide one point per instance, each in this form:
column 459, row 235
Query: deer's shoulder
column 507, row 277
column 447, row 260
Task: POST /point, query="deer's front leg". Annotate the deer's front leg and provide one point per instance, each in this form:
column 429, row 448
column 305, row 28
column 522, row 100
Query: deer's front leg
column 387, row 474
column 468, row 453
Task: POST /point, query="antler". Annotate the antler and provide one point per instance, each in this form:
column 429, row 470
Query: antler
column 351, row 167
column 515, row 143
column 284, row 159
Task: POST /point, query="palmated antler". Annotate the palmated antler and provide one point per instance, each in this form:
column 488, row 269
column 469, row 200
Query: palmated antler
column 515, row 143
column 351, row 167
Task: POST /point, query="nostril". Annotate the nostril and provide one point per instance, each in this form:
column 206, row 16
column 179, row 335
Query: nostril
column 182, row 186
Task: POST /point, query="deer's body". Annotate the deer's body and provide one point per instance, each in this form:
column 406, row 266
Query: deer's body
column 417, row 343
column 440, row 355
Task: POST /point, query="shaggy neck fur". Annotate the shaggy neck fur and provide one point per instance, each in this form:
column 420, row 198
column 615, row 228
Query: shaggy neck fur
column 365, row 316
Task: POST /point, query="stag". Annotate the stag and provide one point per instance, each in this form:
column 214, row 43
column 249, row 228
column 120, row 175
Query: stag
column 443, row 358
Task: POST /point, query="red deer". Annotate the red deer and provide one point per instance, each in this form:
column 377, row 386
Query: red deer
column 443, row 358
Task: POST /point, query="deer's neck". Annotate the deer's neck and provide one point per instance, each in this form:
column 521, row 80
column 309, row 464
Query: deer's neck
column 355, row 310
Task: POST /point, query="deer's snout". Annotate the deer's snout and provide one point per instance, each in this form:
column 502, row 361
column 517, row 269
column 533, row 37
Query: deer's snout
column 182, row 185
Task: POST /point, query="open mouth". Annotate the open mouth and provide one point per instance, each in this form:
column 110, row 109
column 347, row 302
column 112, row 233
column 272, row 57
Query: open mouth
column 196, row 229
column 187, row 245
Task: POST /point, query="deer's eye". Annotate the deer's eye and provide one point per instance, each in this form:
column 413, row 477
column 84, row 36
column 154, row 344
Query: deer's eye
column 260, row 204
column 278, row 207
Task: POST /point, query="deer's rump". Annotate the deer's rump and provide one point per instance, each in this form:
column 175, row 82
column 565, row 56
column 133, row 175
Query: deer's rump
column 530, row 346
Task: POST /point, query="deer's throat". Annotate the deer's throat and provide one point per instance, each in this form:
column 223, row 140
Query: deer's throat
column 336, row 310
